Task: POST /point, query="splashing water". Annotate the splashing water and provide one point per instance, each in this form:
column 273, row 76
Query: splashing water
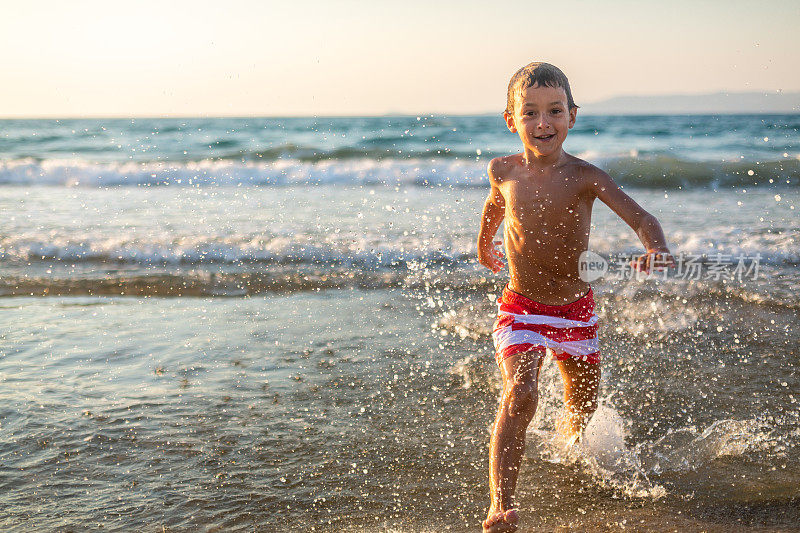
column 687, row 448
column 604, row 454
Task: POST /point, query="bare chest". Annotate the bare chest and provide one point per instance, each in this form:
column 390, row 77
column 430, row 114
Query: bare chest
column 556, row 202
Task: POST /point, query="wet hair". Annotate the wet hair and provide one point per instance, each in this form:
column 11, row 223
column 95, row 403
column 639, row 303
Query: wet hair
column 542, row 74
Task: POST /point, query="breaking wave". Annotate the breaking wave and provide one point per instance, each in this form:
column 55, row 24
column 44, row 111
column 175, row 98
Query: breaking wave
column 436, row 170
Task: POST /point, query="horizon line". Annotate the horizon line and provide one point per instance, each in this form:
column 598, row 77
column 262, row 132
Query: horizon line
column 584, row 111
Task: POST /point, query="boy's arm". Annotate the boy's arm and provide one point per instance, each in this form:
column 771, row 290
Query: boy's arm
column 643, row 223
column 494, row 209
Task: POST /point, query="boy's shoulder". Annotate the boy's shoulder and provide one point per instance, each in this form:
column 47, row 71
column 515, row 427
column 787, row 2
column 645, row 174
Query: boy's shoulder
column 592, row 179
column 584, row 169
column 500, row 167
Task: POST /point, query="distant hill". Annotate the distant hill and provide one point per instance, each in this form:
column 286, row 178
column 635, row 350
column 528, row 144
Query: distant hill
column 721, row 102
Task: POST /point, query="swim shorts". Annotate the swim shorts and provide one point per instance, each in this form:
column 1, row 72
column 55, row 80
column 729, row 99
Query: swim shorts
column 568, row 331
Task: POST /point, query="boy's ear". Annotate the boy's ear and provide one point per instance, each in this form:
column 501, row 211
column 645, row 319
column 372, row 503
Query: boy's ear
column 573, row 113
column 510, row 121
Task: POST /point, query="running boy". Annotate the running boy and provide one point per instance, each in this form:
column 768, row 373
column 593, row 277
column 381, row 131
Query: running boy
column 545, row 197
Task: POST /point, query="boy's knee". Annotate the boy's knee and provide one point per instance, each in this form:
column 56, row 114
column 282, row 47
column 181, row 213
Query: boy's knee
column 520, row 399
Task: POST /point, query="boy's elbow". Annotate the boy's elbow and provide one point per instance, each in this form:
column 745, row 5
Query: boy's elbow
column 645, row 221
column 651, row 220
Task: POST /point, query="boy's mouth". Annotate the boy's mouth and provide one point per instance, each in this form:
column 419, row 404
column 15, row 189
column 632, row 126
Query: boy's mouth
column 545, row 137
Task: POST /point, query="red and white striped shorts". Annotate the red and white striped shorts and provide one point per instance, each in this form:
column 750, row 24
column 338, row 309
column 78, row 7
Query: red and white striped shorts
column 524, row 325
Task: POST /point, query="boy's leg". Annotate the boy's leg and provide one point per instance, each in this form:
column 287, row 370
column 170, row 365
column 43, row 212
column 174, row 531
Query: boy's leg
column 581, row 383
column 517, row 407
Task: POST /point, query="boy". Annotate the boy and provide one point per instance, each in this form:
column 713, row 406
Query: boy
column 545, row 197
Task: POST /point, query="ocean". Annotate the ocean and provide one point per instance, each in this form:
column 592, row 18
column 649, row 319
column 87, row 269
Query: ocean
column 279, row 324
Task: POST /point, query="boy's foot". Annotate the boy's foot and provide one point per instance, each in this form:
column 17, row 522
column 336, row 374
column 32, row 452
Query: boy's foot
column 501, row 521
column 574, row 439
column 567, row 431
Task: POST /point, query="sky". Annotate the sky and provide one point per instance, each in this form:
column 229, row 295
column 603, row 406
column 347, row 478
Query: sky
column 245, row 58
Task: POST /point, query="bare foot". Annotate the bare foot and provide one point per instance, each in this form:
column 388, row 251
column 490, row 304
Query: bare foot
column 501, row 521
column 575, row 439
column 566, row 427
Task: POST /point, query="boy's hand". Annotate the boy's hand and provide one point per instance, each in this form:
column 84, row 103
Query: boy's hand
column 657, row 258
column 491, row 257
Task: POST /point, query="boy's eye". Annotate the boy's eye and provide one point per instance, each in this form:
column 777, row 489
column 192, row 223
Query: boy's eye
column 556, row 111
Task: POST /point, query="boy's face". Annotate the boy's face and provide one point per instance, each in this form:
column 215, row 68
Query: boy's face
column 542, row 119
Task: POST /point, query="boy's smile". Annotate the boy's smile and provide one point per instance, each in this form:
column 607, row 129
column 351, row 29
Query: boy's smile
column 542, row 119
